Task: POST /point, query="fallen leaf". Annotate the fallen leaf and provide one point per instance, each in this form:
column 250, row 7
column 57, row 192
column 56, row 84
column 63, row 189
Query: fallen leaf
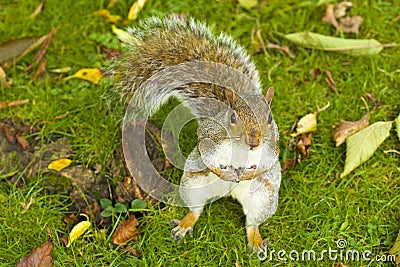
column 362, row 145
column 132, row 250
column 26, row 206
column 125, row 231
column 351, row 24
column 77, row 231
column 124, row 36
column 41, row 68
column 3, row 76
column 330, row 81
column 42, row 52
column 61, row 70
column 341, row 8
column 4, row 104
column 248, row 4
column 37, row 10
column 113, row 19
column 347, row 128
column 304, row 144
column 395, row 250
column 89, row 74
column 10, row 135
column 135, row 9
column 315, row 73
column 39, row 257
column 287, row 164
column 369, row 96
column 284, row 48
column 353, row 47
column 22, row 141
column 397, row 122
column 306, row 124
column 59, row 164
column 330, row 16
column 340, row 265
column 14, row 50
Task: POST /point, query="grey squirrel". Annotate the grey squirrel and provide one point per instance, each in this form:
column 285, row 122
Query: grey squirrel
column 237, row 149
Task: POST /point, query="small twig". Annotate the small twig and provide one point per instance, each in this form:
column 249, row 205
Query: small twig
column 391, row 151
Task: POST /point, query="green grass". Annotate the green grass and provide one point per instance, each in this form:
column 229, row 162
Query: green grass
column 316, row 206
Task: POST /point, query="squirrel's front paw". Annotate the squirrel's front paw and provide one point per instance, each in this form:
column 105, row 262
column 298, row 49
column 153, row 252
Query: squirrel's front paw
column 179, row 232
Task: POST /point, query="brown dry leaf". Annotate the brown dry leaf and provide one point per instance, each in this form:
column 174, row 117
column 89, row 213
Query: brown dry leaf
column 304, row 144
column 351, row 24
column 132, row 250
column 125, row 231
column 341, row 8
column 37, row 10
column 39, row 257
column 287, row 164
column 330, row 16
column 41, row 68
column 22, row 141
column 42, row 52
column 330, row 81
column 4, row 104
column 135, row 9
column 346, row 128
column 369, row 96
column 315, row 73
column 306, row 124
column 284, row 48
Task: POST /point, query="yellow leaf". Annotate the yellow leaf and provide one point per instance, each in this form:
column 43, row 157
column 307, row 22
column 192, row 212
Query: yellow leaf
column 77, row 231
column 59, row 164
column 124, row 36
column 135, row 9
column 108, row 16
column 92, row 75
column 306, row 124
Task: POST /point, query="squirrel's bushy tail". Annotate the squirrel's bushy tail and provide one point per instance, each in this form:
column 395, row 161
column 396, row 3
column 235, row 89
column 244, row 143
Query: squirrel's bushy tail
column 162, row 42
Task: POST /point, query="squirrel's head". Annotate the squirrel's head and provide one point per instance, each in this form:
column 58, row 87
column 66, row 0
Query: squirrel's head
column 249, row 117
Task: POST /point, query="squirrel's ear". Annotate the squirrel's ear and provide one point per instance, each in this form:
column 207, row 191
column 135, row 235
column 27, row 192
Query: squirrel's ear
column 231, row 96
column 269, row 95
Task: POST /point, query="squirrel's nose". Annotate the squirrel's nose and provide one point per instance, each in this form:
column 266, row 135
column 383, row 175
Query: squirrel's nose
column 253, row 141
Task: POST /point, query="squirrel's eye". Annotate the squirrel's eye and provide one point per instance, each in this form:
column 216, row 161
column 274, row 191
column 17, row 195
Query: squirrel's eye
column 270, row 118
column 233, row 118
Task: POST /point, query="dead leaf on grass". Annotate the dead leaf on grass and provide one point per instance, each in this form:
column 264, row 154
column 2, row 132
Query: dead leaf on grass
column 395, row 250
column 135, row 9
column 113, row 19
column 351, row 24
column 330, row 16
column 132, row 250
column 12, row 103
column 346, row 128
column 37, row 10
column 40, row 69
column 59, row 164
column 39, row 257
column 315, row 73
column 340, row 265
column 126, row 231
column 284, row 48
column 341, row 8
column 42, row 52
column 78, row 230
column 89, row 74
column 304, row 144
column 22, row 141
column 330, row 81
column 287, row 164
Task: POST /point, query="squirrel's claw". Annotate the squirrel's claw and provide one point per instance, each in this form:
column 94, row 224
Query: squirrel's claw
column 260, row 250
column 178, row 233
